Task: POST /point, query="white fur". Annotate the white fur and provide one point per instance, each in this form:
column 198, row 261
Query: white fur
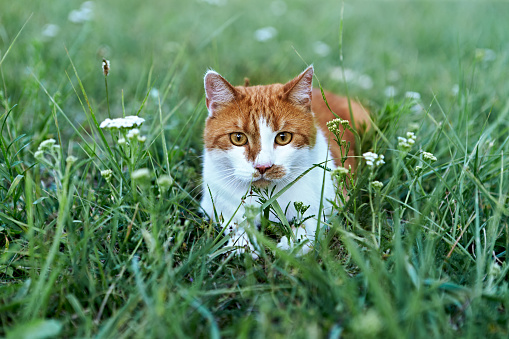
column 228, row 176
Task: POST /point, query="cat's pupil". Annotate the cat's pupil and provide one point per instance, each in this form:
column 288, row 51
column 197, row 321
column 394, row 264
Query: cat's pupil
column 238, row 136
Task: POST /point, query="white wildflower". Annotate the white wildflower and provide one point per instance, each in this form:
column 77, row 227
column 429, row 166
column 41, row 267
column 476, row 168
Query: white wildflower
column 364, row 81
column 390, row 91
column 122, row 141
column 413, row 95
column 321, row 48
column 130, row 121
column 50, row 30
column 373, row 159
column 266, row 33
column 39, row 155
column 333, row 125
column 141, row 174
column 377, row 185
column 134, row 133
column 142, row 138
column 428, row 156
column 339, row 172
column 47, row 144
column 165, row 181
column 408, row 142
column 85, row 13
column 107, row 174
column 71, row 159
column 154, row 93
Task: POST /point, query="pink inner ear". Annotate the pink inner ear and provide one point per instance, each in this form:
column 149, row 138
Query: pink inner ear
column 218, row 91
column 299, row 90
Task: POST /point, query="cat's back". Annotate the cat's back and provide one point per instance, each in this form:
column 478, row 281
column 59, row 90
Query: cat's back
column 341, row 107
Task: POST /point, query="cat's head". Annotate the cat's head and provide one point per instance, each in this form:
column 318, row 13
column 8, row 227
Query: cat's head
column 259, row 134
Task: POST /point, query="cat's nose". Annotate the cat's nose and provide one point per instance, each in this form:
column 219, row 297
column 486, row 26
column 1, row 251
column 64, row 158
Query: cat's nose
column 263, row 168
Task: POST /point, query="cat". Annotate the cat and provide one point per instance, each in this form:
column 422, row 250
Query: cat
column 265, row 137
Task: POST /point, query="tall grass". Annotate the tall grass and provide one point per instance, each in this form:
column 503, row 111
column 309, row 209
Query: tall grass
column 104, row 237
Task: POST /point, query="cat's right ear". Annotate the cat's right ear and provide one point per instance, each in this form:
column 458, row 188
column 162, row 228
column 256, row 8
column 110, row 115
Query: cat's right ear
column 218, row 92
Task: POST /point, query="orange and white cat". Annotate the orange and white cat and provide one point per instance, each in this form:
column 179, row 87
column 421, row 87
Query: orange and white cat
column 266, row 136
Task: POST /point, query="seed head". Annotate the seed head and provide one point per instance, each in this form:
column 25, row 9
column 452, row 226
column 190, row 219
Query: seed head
column 106, row 67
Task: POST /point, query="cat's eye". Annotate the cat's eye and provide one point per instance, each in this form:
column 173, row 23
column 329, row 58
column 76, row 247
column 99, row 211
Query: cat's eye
column 283, row 138
column 238, row 139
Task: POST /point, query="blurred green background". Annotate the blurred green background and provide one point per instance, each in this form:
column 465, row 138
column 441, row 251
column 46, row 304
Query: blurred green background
column 430, row 47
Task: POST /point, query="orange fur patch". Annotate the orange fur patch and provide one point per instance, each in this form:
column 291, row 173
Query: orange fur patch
column 283, row 111
column 339, row 105
column 244, row 113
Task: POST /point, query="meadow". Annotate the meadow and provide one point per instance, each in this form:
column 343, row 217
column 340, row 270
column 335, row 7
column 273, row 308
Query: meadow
column 101, row 233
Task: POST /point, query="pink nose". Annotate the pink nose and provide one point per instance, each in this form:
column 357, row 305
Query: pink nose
column 262, row 168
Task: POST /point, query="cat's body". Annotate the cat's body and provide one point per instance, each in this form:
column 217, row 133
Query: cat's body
column 266, row 136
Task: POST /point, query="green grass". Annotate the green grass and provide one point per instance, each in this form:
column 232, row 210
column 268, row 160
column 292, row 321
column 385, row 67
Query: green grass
column 82, row 256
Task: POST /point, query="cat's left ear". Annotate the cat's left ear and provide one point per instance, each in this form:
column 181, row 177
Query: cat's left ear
column 298, row 91
column 218, row 92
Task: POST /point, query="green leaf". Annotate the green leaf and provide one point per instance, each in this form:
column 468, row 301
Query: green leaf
column 14, row 184
column 36, row 329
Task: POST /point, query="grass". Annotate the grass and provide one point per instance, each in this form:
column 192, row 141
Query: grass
column 91, row 254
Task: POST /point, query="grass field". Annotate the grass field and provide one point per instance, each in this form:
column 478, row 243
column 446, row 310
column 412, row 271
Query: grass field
column 92, row 246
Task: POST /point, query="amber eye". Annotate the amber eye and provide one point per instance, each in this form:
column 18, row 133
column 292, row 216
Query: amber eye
column 238, row 139
column 283, row 138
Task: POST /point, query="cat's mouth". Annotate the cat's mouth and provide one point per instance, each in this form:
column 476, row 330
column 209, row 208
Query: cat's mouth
column 261, row 183
column 273, row 173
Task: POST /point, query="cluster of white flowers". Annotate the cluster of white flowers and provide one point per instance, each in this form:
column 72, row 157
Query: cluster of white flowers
column 71, row 159
column 165, row 182
column 50, row 31
column 373, row 159
column 107, row 174
column 128, row 122
column 85, row 13
column 429, row 156
column 141, row 174
column 135, row 134
column 265, row 33
column 377, row 185
column 413, row 95
column 333, row 125
column 339, row 172
column 408, row 142
column 46, row 146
